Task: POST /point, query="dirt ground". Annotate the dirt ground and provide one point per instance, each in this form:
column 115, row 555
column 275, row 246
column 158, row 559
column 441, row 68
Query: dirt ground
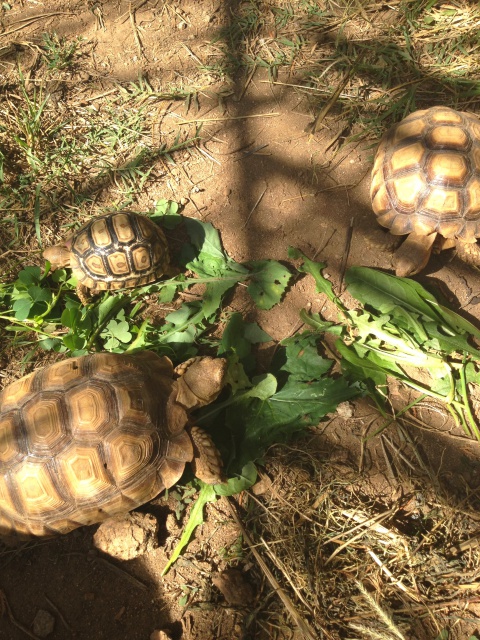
column 265, row 184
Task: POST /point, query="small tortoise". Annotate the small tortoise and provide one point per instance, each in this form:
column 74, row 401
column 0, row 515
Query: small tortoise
column 113, row 251
column 426, row 183
column 98, row 435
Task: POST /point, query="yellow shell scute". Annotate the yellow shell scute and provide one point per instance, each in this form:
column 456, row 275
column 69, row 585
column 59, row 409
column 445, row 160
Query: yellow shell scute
column 16, row 392
column 442, row 201
column 447, row 168
column 407, row 190
column 100, row 233
column 141, row 259
column 95, row 265
column 118, row 263
column 44, row 419
column 83, row 470
column 128, row 453
column 92, row 410
column 409, row 128
column 409, row 157
column 36, row 489
column 472, row 194
column 447, row 137
column 123, row 228
column 10, row 443
column 81, row 242
column 445, row 114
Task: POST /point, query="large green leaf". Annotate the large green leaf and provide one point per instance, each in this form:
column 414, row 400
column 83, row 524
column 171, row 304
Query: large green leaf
column 268, row 282
column 302, row 360
column 387, row 293
column 258, row 423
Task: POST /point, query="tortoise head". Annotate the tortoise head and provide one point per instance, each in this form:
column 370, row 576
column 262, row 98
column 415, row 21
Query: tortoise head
column 200, row 381
column 58, row 255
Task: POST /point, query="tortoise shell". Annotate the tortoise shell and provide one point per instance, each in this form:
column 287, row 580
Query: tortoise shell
column 90, row 437
column 426, row 175
column 118, row 250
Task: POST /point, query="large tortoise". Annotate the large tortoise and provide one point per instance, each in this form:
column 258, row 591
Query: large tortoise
column 426, row 183
column 113, row 251
column 98, row 435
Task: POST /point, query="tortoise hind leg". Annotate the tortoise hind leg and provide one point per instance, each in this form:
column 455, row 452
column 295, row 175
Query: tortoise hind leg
column 413, row 254
column 469, row 252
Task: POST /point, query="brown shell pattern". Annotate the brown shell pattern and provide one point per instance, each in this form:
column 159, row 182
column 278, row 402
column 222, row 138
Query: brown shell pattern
column 88, row 438
column 426, row 175
column 118, row 250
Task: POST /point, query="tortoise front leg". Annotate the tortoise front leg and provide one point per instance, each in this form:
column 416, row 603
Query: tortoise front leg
column 469, row 252
column 413, row 254
column 83, row 294
column 207, row 462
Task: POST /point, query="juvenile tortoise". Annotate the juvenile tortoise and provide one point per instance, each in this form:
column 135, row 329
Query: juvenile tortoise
column 98, row 435
column 113, row 251
column 426, row 183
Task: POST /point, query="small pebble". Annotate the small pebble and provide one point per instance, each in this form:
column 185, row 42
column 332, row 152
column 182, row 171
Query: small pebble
column 43, row 623
column 345, row 410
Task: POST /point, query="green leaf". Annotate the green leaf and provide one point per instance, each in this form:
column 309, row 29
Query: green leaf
column 386, row 293
column 268, row 281
column 315, row 270
column 261, row 419
column 302, row 359
column 37, row 294
column 245, row 479
column 362, row 369
column 30, row 275
column 255, row 334
column 166, row 212
column 21, row 308
column 167, row 293
column 74, row 342
column 234, row 340
column 314, row 320
column 212, row 297
column 264, row 387
column 119, row 330
column 51, row 344
column 238, row 337
column 109, row 307
column 210, row 257
column 196, row 518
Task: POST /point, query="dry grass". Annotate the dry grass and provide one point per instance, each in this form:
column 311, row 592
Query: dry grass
column 365, row 558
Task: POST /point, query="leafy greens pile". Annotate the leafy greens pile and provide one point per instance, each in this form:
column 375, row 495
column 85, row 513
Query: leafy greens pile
column 404, row 332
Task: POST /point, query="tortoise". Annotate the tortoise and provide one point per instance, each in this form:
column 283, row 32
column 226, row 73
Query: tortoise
column 426, row 183
column 98, row 435
column 113, row 251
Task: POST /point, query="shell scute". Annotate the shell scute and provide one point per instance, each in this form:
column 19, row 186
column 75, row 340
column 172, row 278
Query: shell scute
column 104, row 438
column 92, row 410
column 44, row 421
column 118, row 250
column 36, row 489
column 83, row 470
column 426, row 175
